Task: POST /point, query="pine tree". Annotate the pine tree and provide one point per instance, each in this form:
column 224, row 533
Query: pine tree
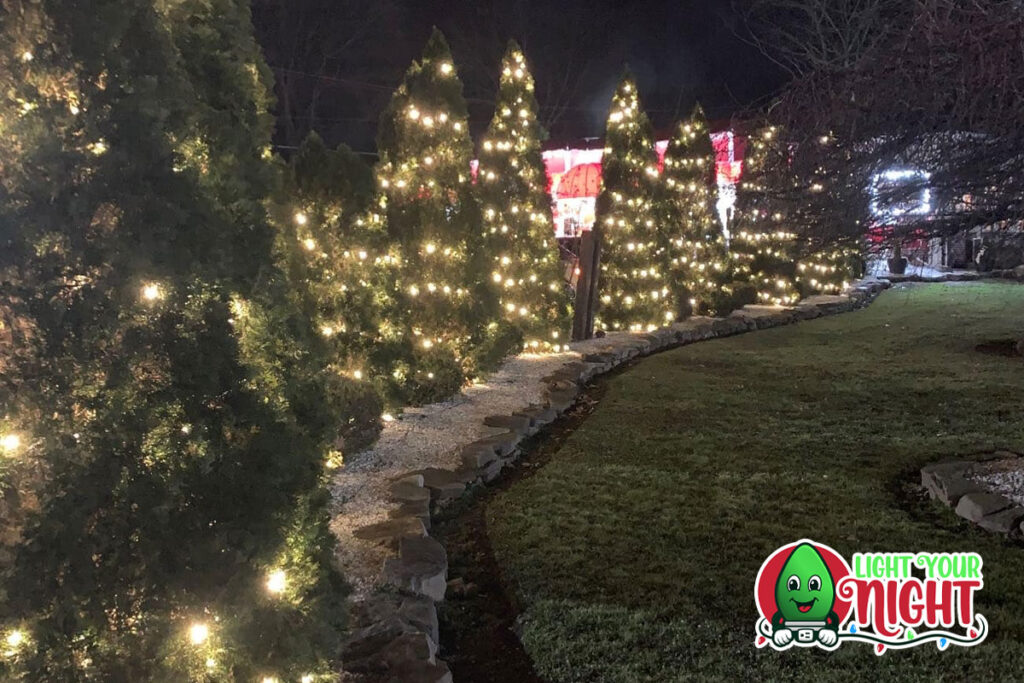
column 763, row 242
column 165, row 413
column 699, row 256
column 429, row 209
column 634, row 287
column 517, row 213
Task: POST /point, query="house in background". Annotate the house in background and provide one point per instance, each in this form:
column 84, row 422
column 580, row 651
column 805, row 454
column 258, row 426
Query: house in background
column 574, row 181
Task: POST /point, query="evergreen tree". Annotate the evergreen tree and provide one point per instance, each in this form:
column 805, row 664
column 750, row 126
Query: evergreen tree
column 517, row 213
column 699, row 255
column 165, row 413
column 763, row 245
column 447, row 302
column 829, row 270
column 332, row 256
column 634, row 287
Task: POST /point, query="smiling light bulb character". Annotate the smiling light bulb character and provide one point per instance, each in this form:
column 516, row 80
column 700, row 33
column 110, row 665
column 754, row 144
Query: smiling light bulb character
column 805, row 594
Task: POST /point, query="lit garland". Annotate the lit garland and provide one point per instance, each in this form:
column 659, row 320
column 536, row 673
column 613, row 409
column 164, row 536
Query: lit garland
column 517, row 213
column 634, row 286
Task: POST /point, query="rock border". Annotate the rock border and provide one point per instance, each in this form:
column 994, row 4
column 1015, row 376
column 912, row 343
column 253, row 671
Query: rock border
column 395, row 636
column 950, row 483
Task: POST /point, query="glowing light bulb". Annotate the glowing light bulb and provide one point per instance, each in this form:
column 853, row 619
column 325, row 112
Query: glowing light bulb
column 308, row 678
column 151, row 292
column 309, row 244
column 276, row 581
column 387, row 417
column 300, row 218
column 15, row 638
column 446, row 68
column 198, row 633
column 358, row 374
column 26, row 56
column 9, row 443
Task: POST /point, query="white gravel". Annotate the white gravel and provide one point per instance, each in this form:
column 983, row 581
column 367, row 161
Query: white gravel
column 430, row 436
column 1005, row 477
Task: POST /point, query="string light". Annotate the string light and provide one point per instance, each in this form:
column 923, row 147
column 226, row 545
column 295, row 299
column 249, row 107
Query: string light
column 10, row 443
column 198, row 633
column 151, row 292
column 276, row 581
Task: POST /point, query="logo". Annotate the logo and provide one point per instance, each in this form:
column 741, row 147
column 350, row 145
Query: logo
column 809, row 596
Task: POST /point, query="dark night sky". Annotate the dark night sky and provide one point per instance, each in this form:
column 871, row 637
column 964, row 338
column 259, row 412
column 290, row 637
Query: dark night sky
column 339, row 60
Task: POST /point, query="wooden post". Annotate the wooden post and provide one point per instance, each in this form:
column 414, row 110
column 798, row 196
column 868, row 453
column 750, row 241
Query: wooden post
column 587, row 286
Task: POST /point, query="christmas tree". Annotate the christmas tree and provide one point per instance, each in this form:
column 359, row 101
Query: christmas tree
column 699, row 256
column 339, row 276
column 635, row 293
column 517, row 213
column 165, row 416
column 829, row 270
column 763, row 242
column 829, row 259
column 447, row 302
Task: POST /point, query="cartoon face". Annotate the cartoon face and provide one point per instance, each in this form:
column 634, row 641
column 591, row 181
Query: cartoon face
column 805, row 591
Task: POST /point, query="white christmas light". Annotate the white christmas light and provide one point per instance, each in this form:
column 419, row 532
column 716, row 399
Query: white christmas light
column 276, row 581
column 151, row 292
column 10, row 443
column 198, row 633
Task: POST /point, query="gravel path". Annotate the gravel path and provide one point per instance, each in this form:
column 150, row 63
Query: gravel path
column 430, row 436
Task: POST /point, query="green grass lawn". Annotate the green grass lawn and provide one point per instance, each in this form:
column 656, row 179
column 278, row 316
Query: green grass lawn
column 634, row 551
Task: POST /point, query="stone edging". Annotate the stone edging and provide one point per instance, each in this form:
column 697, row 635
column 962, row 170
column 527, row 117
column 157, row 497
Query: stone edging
column 949, row 483
column 395, row 636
